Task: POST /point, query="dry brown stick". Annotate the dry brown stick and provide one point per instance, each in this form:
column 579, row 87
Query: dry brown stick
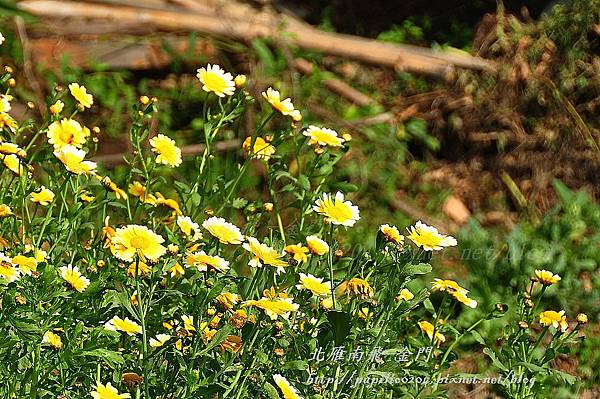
column 28, row 67
column 335, row 85
column 262, row 25
column 188, row 150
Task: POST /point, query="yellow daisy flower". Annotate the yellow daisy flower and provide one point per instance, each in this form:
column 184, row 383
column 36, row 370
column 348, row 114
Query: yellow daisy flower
column 203, row 262
column 137, row 190
column 160, row 340
column 225, row 232
column 13, row 163
column 111, row 186
column 240, row 81
column 323, row 136
column 428, row 329
column 108, row 392
column 314, row 285
column 228, row 300
column 190, row 228
column 336, row 210
column 555, row 319
column 5, row 100
column 405, row 295
column 451, row 287
column 275, row 307
column 43, row 196
column 428, row 237
column 167, row 150
column 177, row 270
column 188, row 323
column 72, row 276
column 464, row 299
column 285, row 107
column 316, row 245
column 134, row 239
column 8, row 271
column 168, row 202
column 26, row 264
column 262, row 148
column 288, row 391
column 5, row 211
column 81, row 95
column 67, row 132
column 298, row 251
column 546, row 277
column 73, row 159
column 391, row 234
column 262, row 254
column 126, row 325
column 142, row 268
column 57, row 107
column 52, row 339
column 7, row 121
column 215, row 79
column 12, row 148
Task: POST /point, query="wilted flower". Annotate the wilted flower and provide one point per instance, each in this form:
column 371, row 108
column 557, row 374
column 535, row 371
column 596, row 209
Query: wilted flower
column 359, row 287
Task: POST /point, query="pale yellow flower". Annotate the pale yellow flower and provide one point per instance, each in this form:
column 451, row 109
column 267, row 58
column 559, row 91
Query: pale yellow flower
column 5, row 100
column 285, row 107
column 391, row 234
column 177, row 270
column 456, row 291
column 7, row 121
column 159, row 341
column 134, row 239
column 405, row 295
column 26, row 264
column 262, row 149
column 428, row 329
column 225, row 232
column 81, row 95
column 240, row 81
column 203, row 262
column 428, row 237
column 72, row 276
column 52, row 339
column 262, row 254
column 555, row 319
column 67, row 132
column 13, row 163
column 188, row 323
column 316, row 245
column 323, row 136
column 314, row 285
column 57, row 107
column 73, row 159
column 275, row 307
column 214, row 79
column 288, row 391
column 336, row 210
column 5, row 211
column 546, row 277
column 298, row 251
column 8, row 271
column 190, row 228
column 126, row 325
column 12, row 148
column 167, row 150
column 43, row 196
column 108, row 392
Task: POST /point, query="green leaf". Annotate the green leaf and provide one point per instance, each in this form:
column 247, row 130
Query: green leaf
column 478, row 337
column 495, row 360
column 296, row 365
column 412, row 270
column 270, row 391
column 110, row 357
column 340, row 323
